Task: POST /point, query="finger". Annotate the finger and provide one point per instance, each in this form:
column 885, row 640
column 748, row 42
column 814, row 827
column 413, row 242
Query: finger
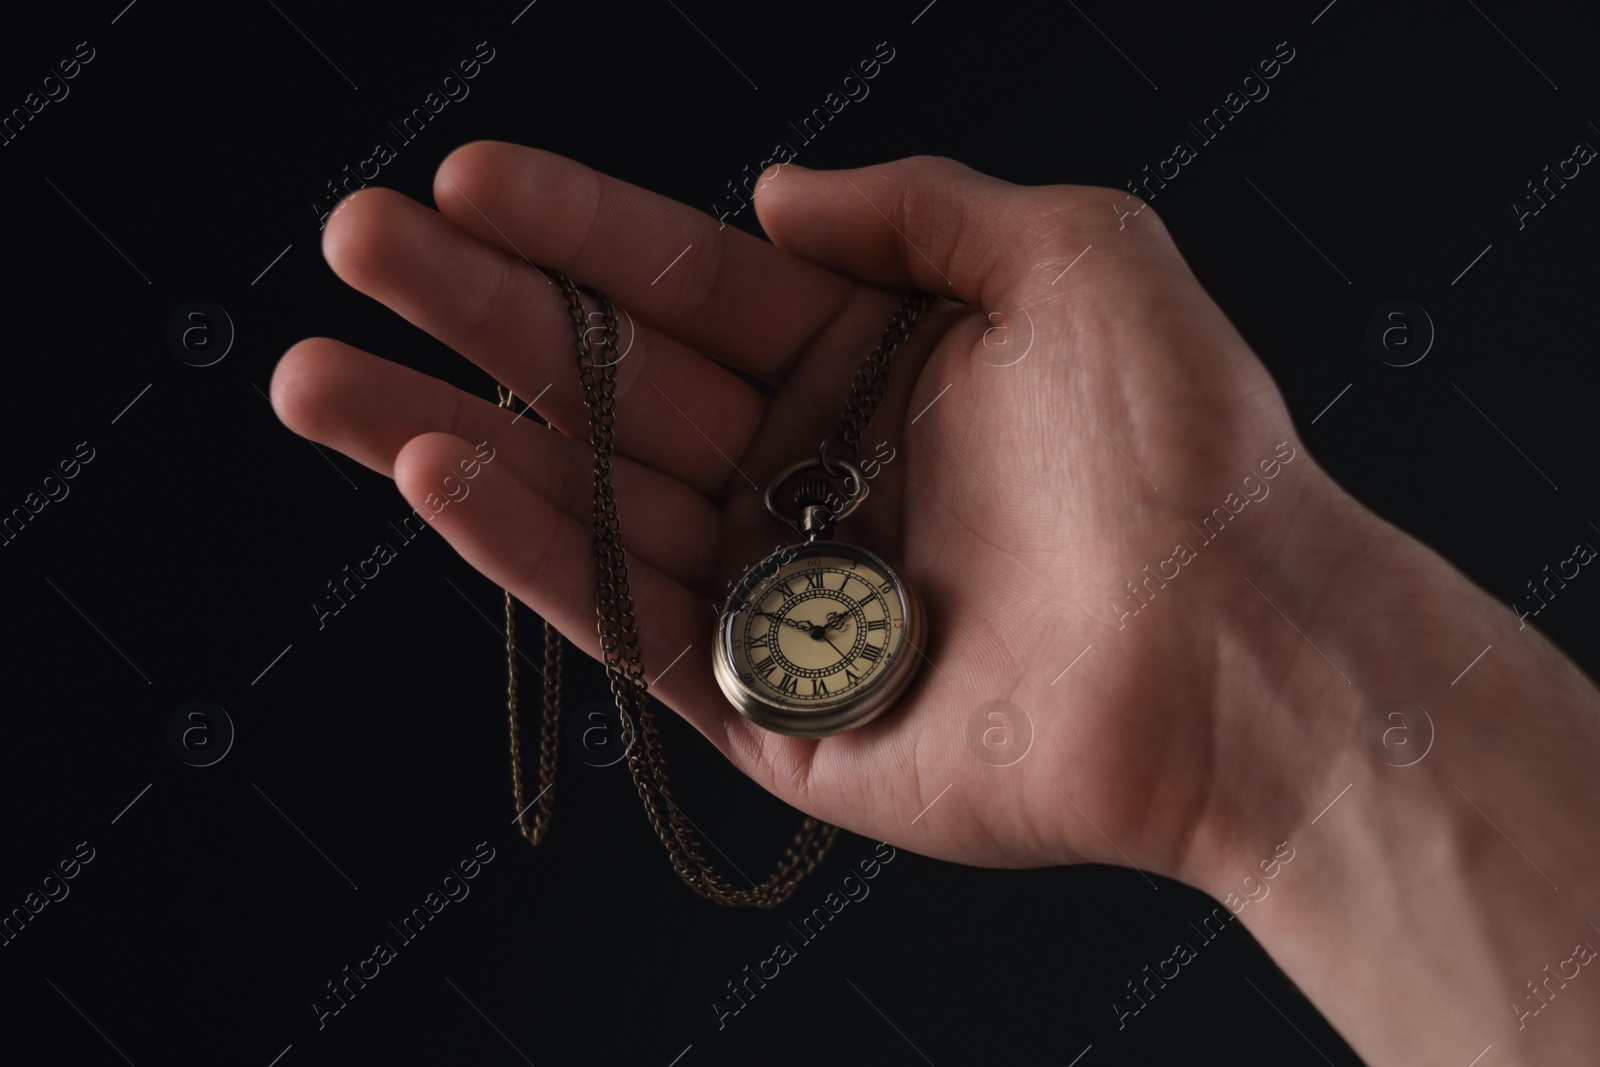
column 508, row 319
column 368, row 408
column 521, row 542
column 811, row 403
column 713, row 287
column 944, row 228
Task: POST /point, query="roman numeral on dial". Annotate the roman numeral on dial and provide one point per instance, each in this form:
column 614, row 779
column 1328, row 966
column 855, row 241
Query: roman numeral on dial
column 763, row 666
column 814, row 580
column 819, row 687
column 871, row 653
column 878, row 624
column 788, row 684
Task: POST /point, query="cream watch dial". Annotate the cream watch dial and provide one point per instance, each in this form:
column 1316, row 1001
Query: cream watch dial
column 816, row 639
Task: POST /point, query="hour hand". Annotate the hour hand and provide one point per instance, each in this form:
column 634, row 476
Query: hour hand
column 798, row 624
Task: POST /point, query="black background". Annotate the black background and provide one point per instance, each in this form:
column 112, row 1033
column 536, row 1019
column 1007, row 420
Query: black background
column 189, row 154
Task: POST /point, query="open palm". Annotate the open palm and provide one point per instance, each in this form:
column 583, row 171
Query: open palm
column 1047, row 432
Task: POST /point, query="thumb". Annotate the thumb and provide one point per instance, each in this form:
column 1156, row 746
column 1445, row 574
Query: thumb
column 936, row 224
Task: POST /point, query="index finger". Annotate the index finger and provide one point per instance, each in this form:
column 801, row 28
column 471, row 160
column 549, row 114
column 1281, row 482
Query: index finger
column 732, row 296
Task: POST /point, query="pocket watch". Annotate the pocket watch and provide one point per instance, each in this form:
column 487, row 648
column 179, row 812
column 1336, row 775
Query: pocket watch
column 822, row 636
column 817, row 638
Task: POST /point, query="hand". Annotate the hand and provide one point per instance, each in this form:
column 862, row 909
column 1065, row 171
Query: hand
column 1034, row 422
column 1022, row 499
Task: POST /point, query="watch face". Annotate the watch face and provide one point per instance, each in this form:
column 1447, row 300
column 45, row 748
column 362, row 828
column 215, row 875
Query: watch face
column 817, row 638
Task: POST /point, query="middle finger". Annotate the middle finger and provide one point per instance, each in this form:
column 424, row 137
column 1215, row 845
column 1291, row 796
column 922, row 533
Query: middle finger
column 684, row 415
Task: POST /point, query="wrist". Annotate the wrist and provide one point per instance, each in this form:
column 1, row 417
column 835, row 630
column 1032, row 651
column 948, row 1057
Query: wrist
column 1429, row 796
column 1290, row 698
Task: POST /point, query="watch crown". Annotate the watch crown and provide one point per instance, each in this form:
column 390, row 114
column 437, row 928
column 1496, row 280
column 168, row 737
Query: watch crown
column 813, row 491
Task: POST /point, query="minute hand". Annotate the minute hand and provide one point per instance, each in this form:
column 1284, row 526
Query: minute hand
column 842, row 653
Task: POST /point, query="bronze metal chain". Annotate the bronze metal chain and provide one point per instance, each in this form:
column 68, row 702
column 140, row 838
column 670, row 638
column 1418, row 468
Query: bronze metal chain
column 872, row 379
column 619, row 641
column 535, row 829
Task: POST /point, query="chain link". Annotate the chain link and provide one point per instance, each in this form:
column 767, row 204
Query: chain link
column 872, row 378
column 619, row 640
column 535, row 829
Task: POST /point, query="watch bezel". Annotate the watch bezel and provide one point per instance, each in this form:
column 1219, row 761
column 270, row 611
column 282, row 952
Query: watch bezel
column 795, row 719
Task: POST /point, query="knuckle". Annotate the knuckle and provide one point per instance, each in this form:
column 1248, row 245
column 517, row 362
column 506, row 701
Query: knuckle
column 496, row 295
column 695, row 285
column 1071, row 218
column 532, row 568
column 947, row 164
